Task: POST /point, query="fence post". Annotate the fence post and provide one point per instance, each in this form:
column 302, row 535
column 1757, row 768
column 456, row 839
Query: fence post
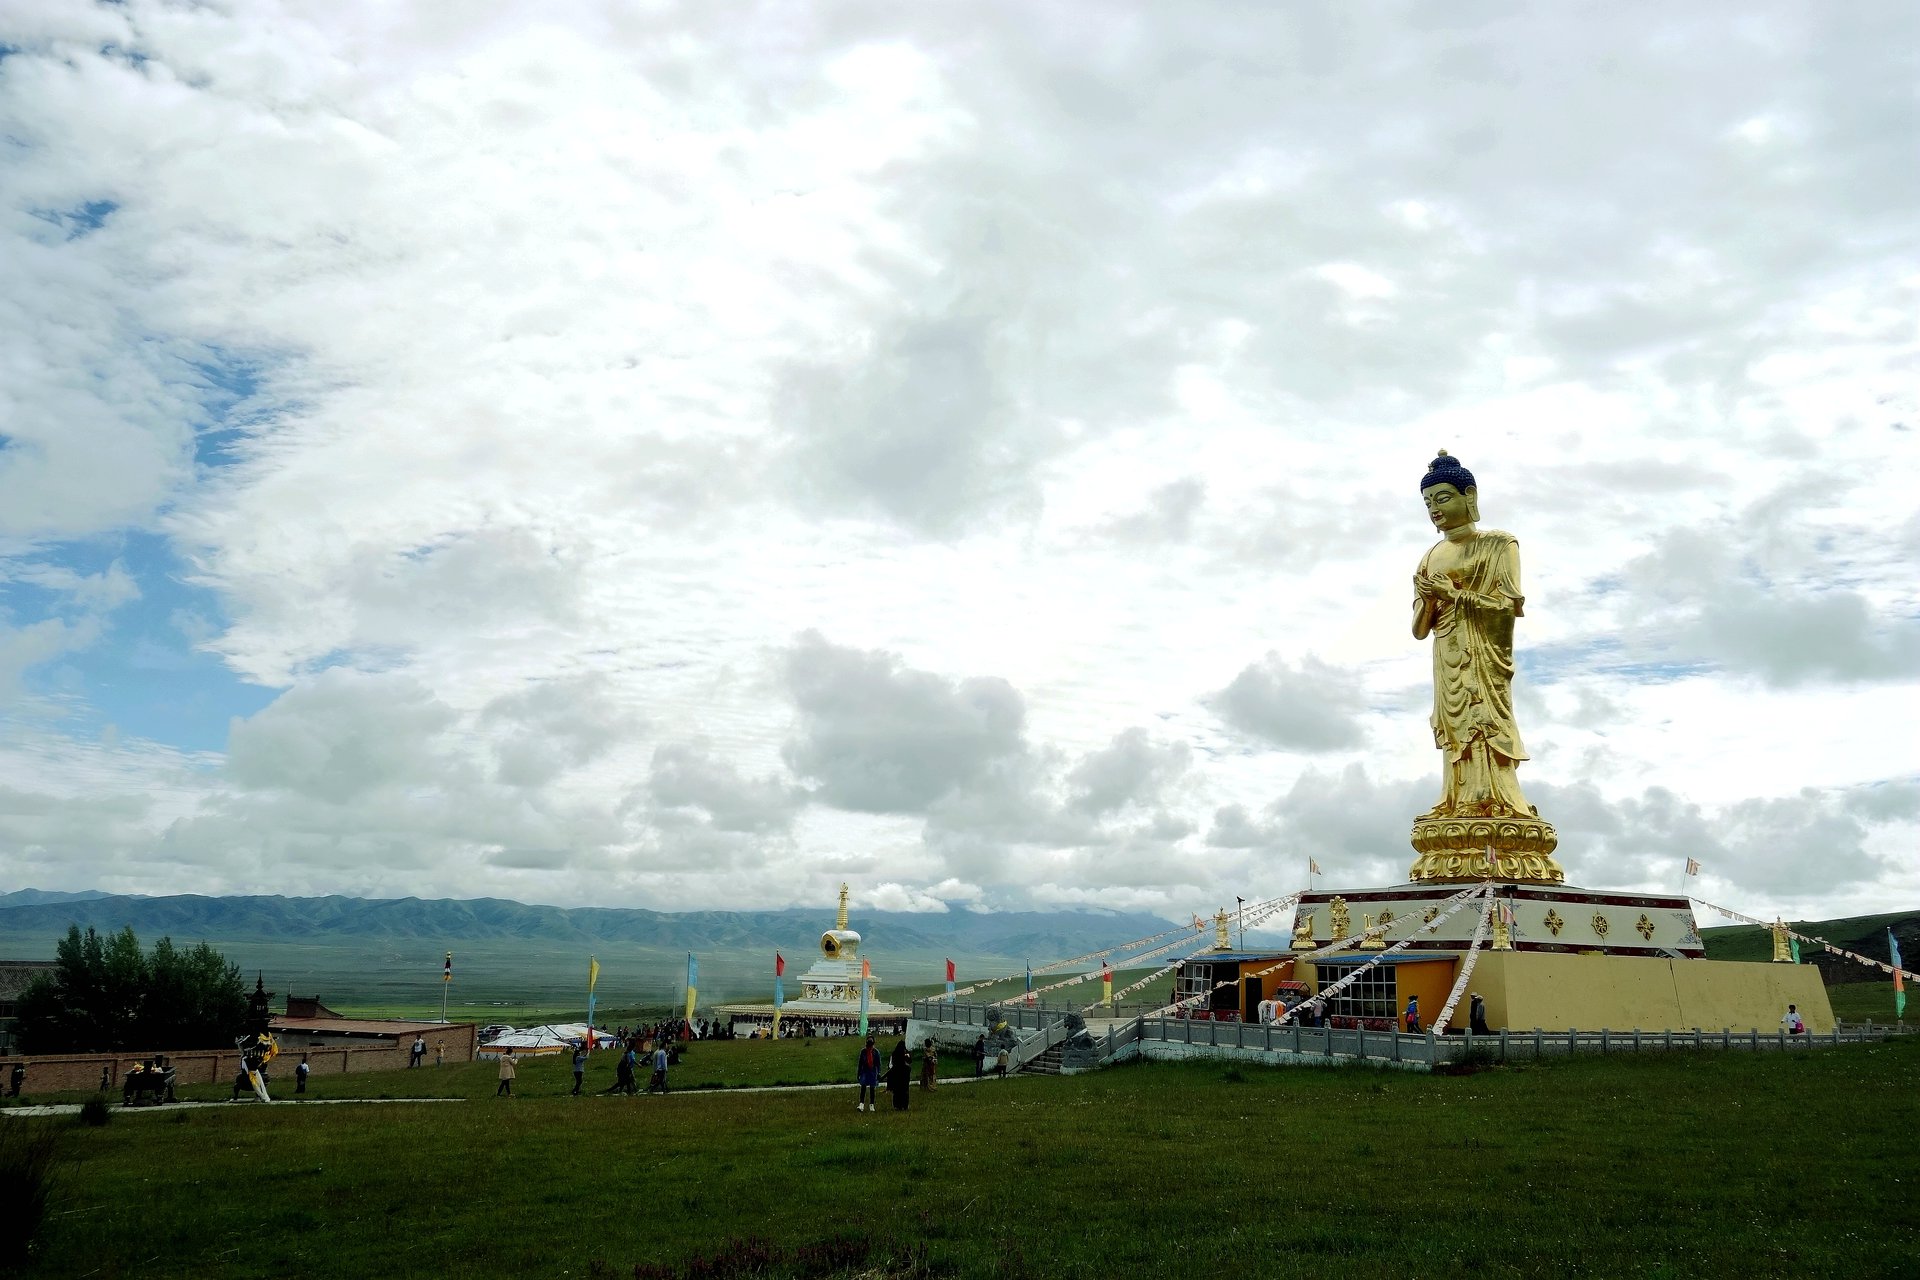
column 1668, row 1042
column 1296, row 1037
column 1571, row 1034
column 1606, row 1038
column 1503, row 1044
column 1360, row 1037
column 1782, row 1033
column 1636, row 1040
column 1326, row 1041
column 1433, row 1050
column 1396, row 1045
column 1753, row 1039
column 1726, row 1037
column 1539, row 1044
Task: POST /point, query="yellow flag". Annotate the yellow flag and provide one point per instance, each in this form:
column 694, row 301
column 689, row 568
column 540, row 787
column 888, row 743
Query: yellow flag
column 593, row 973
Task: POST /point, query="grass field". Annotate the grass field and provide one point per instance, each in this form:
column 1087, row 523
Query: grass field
column 1676, row 1165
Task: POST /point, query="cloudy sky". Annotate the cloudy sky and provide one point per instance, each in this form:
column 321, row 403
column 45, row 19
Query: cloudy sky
column 686, row 455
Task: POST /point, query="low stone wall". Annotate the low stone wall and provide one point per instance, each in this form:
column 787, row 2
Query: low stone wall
column 68, row 1073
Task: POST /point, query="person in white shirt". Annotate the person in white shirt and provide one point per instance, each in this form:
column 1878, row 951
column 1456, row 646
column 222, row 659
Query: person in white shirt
column 1791, row 1020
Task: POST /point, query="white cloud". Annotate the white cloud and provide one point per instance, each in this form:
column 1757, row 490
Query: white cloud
column 1304, row 706
column 516, row 389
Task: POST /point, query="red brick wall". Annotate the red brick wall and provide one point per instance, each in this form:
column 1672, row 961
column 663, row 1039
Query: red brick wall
column 67, row 1073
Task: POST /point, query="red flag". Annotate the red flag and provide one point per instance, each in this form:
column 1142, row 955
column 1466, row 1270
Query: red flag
column 866, row 968
column 1106, row 972
column 779, row 965
column 949, row 971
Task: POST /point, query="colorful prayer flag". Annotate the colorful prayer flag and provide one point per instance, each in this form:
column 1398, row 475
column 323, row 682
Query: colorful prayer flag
column 866, row 986
column 1899, row 983
column 593, row 973
column 779, row 964
column 693, row 983
column 949, row 977
column 1106, row 984
column 1313, row 867
column 1693, row 869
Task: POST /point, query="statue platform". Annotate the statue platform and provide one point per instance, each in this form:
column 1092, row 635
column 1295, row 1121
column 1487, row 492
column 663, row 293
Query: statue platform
column 1550, row 918
column 1573, row 958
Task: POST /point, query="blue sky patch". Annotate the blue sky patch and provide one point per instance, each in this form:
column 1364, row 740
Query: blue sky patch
column 145, row 674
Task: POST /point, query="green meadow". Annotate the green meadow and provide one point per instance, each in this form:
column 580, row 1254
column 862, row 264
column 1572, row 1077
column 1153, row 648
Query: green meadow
column 1684, row 1164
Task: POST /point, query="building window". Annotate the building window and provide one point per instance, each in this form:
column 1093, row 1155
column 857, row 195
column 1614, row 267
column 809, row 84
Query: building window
column 1372, row 995
column 1195, row 980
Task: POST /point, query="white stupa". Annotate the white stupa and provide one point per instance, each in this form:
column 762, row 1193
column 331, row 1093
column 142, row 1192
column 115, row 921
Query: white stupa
column 832, row 985
column 830, row 989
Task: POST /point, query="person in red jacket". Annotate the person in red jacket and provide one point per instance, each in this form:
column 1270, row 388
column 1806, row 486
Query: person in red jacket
column 867, row 1070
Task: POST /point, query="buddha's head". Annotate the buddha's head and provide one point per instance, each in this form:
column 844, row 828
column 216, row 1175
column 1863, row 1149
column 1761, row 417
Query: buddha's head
column 1449, row 492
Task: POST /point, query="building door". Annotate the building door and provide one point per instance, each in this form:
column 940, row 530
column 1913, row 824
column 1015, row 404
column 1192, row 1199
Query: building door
column 1253, row 994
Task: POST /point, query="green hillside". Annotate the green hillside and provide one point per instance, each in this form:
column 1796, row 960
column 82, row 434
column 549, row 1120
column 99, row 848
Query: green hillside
column 1864, row 934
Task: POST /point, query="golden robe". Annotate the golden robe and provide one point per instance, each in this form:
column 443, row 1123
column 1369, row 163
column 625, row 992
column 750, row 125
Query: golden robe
column 1472, row 719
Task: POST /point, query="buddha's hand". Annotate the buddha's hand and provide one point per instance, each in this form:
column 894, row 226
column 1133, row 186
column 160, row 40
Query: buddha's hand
column 1435, row 586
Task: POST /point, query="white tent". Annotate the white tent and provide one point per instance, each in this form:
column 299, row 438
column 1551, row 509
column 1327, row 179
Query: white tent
column 558, row 1037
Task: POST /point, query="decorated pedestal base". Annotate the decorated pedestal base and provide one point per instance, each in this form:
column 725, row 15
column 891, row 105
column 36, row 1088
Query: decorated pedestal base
column 1454, row 850
column 1571, row 958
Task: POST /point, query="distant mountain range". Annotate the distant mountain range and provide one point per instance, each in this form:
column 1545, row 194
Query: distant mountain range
column 34, row 897
column 190, row 917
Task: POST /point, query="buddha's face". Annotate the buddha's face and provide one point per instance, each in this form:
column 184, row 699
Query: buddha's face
column 1447, row 507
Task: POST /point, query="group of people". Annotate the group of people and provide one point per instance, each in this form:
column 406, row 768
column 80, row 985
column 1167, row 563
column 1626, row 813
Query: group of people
column 679, row 1029
column 899, row 1073
column 626, row 1068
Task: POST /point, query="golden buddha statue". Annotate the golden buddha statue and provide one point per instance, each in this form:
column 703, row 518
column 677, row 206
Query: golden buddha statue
column 1466, row 597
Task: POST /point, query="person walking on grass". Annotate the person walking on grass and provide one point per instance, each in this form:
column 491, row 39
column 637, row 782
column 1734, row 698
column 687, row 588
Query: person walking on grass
column 867, row 1072
column 929, row 1064
column 579, row 1067
column 419, row 1053
column 1413, row 1015
column 900, row 1073
column 507, row 1070
column 979, row 1056
column 659, row 1082
column 300, row 1074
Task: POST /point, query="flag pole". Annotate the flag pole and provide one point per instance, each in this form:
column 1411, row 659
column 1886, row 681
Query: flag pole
column 446, row 980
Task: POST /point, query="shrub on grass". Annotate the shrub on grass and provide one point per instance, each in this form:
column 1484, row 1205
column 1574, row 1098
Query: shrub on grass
column 96, row 1111
column 28, row 1161
column 756, row 1256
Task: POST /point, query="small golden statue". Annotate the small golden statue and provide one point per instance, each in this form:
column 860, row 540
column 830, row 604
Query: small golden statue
column 1467, row 595
column 1782, row 948
column 1502, row 935
column 1303, row 931
column 1373, row 941
column 1342, row 922
column 1221, row 940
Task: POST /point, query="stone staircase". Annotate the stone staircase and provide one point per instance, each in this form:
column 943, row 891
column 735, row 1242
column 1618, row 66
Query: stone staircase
column 1047, row 1064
